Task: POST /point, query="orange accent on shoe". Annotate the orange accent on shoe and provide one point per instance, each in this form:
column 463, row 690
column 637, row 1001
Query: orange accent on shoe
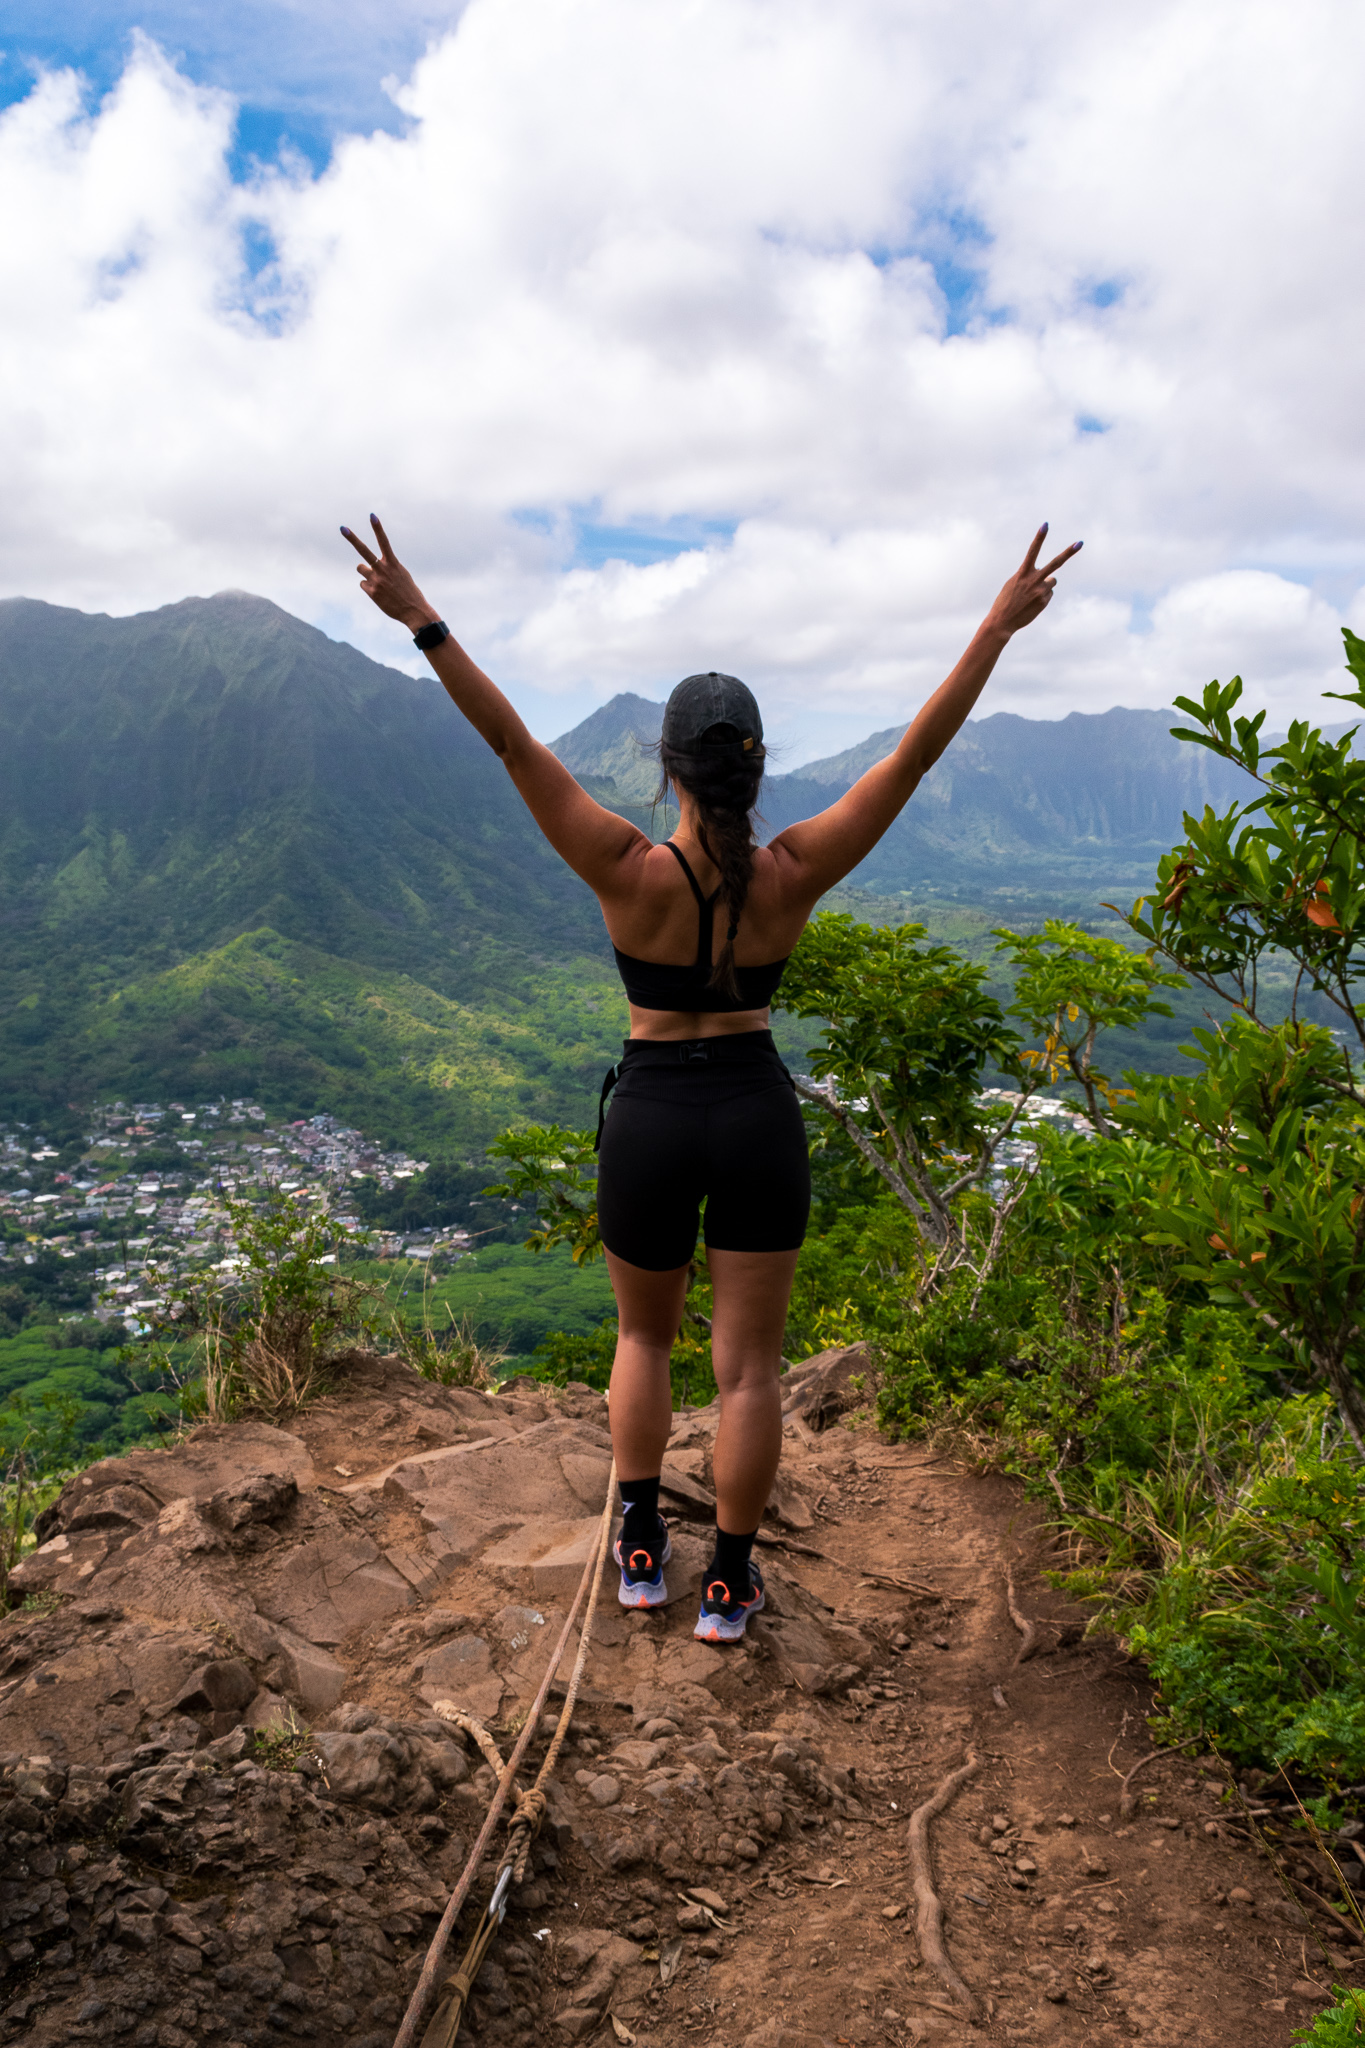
column 724, row 1592
column 648, row 1561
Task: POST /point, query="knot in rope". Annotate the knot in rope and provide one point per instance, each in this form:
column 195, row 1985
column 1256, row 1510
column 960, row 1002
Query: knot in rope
column 523, row 1829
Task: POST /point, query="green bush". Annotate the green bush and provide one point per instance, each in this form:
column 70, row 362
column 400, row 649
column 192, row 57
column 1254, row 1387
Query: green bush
column 1341, row 2027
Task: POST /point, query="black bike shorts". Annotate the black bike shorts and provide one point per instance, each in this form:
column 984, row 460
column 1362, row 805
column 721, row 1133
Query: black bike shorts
column 702, row 1120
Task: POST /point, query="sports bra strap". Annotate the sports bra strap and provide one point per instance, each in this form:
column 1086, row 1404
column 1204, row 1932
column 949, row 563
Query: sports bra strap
column 705, row 907
column 706, row 902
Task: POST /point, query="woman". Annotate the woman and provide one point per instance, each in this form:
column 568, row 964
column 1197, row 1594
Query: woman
column 704, row 1110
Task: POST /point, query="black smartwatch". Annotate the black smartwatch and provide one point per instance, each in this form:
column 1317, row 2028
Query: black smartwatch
column 431, row 636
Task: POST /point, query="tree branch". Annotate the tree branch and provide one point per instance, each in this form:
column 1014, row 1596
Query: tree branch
column 826, row 1099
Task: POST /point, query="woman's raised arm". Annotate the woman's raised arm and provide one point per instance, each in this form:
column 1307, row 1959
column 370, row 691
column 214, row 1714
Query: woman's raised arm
column 593, row 840
column 820, row 851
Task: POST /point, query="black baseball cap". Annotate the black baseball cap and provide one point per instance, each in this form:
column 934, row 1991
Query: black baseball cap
column 701, row 702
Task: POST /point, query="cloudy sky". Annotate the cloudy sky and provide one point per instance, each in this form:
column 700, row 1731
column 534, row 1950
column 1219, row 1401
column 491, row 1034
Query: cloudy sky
column 677, row 334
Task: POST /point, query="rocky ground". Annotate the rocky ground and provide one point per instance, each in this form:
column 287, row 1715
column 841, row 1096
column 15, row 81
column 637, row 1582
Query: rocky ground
column 229, row 1814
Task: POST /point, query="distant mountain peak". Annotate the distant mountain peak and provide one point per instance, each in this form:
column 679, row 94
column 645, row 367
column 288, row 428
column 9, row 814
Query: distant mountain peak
column 614, row 745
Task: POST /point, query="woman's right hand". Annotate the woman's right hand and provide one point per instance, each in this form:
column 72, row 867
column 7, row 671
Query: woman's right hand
column 387, row 583
column 1029, row 590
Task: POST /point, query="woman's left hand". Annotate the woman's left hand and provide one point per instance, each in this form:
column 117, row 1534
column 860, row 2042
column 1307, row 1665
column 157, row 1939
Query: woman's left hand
column 387, row 583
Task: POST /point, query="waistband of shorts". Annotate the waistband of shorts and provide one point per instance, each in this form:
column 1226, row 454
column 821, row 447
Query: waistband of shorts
column 725, row 1049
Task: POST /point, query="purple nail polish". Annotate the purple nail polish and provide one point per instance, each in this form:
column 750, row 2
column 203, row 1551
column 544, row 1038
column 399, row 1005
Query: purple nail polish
column 1044, row 527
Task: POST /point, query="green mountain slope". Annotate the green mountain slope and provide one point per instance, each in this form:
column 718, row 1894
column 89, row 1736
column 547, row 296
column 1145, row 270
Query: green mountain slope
column 172, row 782
column 610, row 751
column 384, row 1051
column 218, row 765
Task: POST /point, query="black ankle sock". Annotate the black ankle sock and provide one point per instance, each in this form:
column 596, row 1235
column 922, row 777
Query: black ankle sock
column 730, row 1563
column 640, row 1526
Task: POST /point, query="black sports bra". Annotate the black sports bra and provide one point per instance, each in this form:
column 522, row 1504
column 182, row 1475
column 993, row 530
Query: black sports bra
column 658, row 985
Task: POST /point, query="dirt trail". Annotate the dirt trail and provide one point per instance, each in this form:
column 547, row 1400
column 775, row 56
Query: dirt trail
column 1066, row 1923
column 727, row 1860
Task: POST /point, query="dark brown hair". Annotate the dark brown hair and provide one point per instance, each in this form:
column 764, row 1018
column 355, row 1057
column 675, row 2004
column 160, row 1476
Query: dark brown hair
column 722, row 777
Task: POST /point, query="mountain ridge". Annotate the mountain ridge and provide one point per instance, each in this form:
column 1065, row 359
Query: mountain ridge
column 239, row 857
column 1096, row 794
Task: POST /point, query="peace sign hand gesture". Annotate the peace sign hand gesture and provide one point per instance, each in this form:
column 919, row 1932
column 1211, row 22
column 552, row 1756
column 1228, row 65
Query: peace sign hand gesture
column 1029, row 590
column 387, row 583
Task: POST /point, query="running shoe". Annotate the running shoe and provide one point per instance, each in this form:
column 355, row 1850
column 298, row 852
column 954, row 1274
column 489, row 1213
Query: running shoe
column 642, row 1579
column 722, row 1619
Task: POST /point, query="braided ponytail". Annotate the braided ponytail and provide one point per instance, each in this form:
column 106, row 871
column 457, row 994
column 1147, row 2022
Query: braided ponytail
column 722, row 778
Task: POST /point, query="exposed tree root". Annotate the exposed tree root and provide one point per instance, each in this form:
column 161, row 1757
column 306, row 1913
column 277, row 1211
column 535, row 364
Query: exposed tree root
column 1029, row 1630
column 929, row 1924
column 1127, row 1799
column 864, row 1571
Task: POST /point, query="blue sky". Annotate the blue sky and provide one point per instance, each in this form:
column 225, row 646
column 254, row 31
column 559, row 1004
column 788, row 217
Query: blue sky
column 749, row 334
column 301, row 74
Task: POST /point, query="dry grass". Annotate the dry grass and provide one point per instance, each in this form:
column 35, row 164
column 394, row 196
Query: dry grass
column 453, row 1357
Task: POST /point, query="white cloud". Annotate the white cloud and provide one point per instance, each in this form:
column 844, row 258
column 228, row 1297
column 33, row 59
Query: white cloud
column 660, row 264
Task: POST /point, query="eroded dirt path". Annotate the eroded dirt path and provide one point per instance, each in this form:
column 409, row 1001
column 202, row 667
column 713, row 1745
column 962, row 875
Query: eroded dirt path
column 231, row 1810
column 1067, row 1924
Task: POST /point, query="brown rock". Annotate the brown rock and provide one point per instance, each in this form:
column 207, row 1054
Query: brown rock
column 462, row 1671
column 251, row 1496
column 576, row 2021
column 225, row 1686
column 788, row 1505
column 326, row 1588
column 639, row 1756
column 310, row 1676
column 586, row 1473
column 705, row 1897
column 818, row 1389
column 117, row 1506
column 553, row 1552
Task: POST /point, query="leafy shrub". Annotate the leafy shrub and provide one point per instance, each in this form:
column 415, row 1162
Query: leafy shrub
column 564, row 1356
column 257, row 1339
column 1342, row 2026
